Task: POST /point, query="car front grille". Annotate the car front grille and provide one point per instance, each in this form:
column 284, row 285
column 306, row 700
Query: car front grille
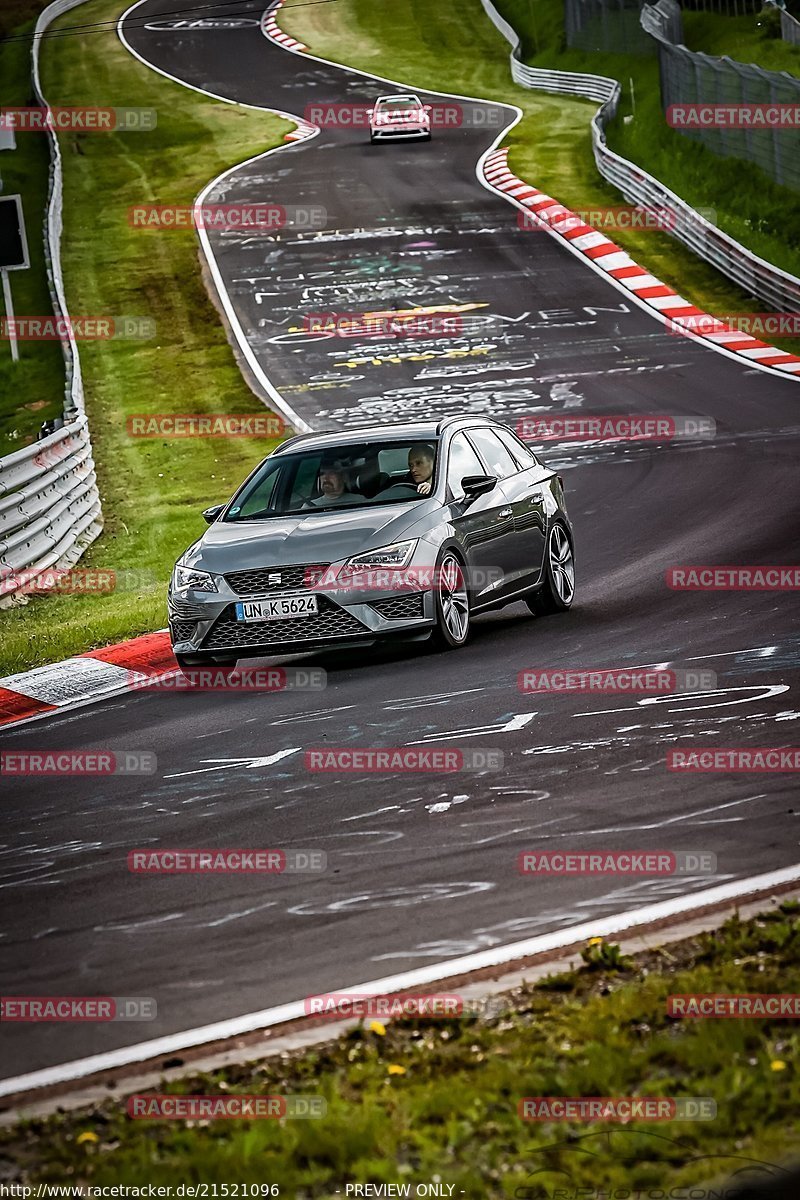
column 400, row 608
column 330, row 622
column 265, row 580
column 183, row 631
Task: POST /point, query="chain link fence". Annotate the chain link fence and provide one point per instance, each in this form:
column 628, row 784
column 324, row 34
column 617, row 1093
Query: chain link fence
column 725, row 8
column 613, row 26
column 689, row 77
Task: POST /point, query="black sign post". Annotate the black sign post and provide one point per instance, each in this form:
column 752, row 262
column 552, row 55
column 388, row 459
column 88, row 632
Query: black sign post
column 13, row 256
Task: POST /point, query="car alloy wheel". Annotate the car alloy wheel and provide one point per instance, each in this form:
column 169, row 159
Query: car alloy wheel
column 452, row 604
column 558, row 590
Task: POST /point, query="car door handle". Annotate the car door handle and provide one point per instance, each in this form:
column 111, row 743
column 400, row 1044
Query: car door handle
column 504, row 512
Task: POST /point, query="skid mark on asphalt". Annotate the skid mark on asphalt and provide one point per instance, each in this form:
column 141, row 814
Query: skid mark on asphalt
column 484, row 937
column 396, row 897
column 429, row 701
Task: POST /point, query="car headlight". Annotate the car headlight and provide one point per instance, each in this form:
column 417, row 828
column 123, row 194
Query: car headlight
column 397, row 556
column 188, row 577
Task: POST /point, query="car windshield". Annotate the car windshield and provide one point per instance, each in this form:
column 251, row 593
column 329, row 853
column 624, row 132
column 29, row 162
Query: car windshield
column 360, row 475
column 401, row 103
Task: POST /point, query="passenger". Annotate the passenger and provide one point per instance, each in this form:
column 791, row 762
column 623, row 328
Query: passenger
column 332, row 485
column 421, row 460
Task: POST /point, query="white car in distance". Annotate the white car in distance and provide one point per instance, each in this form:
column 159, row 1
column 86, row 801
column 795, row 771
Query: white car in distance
column 394, row 118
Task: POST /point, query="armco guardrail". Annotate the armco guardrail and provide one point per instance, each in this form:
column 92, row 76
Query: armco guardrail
column 49, row 508
column 49, row 502
column 776, row 288
column 53, row 220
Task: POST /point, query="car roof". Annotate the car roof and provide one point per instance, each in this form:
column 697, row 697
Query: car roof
column 421, row 431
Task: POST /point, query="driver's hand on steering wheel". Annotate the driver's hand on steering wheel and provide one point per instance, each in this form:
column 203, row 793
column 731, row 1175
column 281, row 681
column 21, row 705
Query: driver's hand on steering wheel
column 424, row 487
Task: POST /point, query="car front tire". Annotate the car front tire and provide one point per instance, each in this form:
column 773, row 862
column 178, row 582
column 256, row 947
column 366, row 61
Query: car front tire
column 558, row 590
column 451, row 598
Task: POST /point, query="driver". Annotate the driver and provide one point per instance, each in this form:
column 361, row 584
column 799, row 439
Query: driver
column 333, row 486
column 421, row 459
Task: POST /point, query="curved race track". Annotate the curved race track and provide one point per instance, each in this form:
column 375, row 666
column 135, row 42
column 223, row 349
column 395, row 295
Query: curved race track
column 423, row 868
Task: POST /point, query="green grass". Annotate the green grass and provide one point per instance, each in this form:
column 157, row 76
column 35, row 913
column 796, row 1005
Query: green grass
column 152, row 490
column 32, row 390
column 456, row 48
column 747, row 39
column 437, row 1100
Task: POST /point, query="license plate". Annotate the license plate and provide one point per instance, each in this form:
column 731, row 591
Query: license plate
column 276, row 610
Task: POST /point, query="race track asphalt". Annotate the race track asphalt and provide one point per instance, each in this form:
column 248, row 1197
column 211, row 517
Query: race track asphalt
column 422, row 868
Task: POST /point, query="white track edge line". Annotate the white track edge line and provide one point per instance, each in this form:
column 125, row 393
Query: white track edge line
column 449, row 968
column 282, row 405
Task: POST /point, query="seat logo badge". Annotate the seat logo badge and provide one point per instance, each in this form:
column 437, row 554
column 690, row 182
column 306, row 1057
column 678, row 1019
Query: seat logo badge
column 274, row 577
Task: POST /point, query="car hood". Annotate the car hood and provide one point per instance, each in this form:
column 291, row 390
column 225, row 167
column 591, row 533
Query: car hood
column 316, row 538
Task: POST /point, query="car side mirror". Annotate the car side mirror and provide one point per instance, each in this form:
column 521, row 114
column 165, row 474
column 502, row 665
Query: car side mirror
column 477, row 485
column 210, row 514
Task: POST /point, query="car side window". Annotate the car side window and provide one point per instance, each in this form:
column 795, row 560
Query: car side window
column 520, row 452
column 498, row 458
column 462, row 461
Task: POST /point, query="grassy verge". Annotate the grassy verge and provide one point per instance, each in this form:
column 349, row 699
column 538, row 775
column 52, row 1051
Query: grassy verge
column 152, row 490
column 455, row 48
column 32, row 390
column 422, row 1100
column 755, row 38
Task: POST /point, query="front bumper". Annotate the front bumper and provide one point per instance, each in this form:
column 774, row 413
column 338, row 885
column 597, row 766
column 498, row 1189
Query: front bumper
column 204, row 623
column 389, row 134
